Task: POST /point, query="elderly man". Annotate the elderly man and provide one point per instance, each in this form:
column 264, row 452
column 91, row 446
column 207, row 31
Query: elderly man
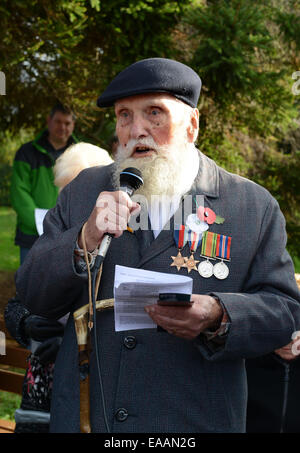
column 189, row 375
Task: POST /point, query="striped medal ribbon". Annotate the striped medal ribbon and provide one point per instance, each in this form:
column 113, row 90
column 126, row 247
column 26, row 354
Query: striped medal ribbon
column 180, row 237
column 208, row 250
column 194, row 241
column 223, row 246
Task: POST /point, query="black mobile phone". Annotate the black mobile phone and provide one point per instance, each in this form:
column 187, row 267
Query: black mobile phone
column 174, row 299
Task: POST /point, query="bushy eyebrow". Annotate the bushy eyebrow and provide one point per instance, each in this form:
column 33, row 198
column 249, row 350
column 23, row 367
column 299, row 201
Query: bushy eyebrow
column 120, row 106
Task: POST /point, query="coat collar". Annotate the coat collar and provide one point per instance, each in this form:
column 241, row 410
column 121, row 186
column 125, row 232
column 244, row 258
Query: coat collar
column 207, row 179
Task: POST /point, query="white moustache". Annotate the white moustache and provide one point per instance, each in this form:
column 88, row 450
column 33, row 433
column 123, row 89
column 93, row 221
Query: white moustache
column 149, row 142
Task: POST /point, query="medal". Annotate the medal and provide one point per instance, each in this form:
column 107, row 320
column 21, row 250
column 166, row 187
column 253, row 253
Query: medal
column 220, row 270
column 223, row 245
column 208, row 250
column 205, row 269
column 180, row 237
column 194, row 240
column 178, row 261
column 190, row 263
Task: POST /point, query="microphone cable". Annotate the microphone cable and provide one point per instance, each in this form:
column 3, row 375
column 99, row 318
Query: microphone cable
column 97, row 265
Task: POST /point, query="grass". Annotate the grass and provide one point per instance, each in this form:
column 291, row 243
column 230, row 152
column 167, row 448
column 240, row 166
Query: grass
column 9, row 252
column 9, row 402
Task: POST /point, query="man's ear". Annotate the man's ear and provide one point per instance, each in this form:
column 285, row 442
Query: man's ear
column 193, row 127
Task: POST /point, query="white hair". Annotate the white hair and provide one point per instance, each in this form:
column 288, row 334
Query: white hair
column 75, row 159
column 170, row 172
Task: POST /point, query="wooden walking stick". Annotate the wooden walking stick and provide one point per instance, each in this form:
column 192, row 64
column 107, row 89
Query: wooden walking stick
column 84, row 349
column 84, row 320
column 83, row 341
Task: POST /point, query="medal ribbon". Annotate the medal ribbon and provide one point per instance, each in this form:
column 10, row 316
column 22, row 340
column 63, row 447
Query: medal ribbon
column 209, row 244
column 223, row 246
column 180, row 237
column 194, row 240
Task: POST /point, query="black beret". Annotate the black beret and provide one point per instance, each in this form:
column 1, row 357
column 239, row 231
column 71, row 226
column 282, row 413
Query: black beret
column 154, row 75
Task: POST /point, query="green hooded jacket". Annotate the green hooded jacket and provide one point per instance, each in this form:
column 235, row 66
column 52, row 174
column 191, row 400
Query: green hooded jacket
column 32, row 184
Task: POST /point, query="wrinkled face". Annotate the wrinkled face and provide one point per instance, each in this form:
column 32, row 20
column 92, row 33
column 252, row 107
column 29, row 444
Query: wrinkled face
column 156, row 135
column 60, row 126
column 156, row 118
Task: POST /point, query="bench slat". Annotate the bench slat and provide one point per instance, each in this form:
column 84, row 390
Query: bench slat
column 7, row 426
column 15, row 355
column 10, row 381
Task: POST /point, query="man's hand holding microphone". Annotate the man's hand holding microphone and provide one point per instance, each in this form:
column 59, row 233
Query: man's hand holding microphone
column 110, row 215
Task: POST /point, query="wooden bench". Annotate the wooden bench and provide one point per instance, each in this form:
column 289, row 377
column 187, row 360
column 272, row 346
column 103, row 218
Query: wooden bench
column 12, row 369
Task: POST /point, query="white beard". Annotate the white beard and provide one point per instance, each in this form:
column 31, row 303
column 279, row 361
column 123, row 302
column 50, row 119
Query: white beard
column 170, row 172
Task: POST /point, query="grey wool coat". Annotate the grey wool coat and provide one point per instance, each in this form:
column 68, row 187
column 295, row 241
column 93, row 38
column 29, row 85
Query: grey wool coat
column 165, row 383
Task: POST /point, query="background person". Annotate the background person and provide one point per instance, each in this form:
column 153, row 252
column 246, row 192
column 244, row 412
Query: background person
column 76, row 158
column 32, row 184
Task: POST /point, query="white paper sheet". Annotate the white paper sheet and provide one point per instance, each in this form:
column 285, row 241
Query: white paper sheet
column 136, row 288
column 39, row 215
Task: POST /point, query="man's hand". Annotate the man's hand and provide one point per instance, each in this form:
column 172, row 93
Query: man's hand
column 292, row 350
column 188, row 321
column 110, row 215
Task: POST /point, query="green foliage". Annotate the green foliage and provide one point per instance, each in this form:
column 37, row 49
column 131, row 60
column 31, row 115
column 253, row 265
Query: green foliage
column 236, row 55
column 288, row 20
column 233, row 32
column 279, row 173
column 9, row 253
column 69, row 50
column 9, row 144
column 296, row 261
column 5, row 177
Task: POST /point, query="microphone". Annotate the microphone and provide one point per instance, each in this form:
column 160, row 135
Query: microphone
column 130, row 180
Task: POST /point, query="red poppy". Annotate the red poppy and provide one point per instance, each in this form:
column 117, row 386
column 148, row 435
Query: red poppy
column 206, row 215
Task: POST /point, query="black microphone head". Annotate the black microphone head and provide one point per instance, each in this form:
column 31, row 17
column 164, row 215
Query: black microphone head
column 131, row 177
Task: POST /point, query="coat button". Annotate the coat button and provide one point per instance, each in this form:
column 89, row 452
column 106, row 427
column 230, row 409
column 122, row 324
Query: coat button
column 121, row 415
column 130, row 342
